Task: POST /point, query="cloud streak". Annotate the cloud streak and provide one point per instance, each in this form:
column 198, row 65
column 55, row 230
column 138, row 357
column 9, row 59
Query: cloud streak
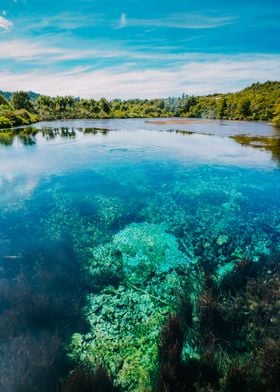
column 62, row 21
column 195, row 77
column 123, row 20
column 5, row 23
column 31, row 51
column 180, row 21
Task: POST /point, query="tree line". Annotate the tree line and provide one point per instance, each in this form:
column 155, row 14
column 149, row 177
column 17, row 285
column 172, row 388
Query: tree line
column 260, row 102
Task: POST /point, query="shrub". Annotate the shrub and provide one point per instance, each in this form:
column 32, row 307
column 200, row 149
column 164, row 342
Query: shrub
column 5, row 122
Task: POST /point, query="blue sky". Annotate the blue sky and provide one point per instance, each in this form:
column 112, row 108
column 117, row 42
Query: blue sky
column 133, row 48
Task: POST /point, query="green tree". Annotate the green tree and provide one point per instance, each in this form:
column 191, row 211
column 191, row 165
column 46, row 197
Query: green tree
column 104, row 105
column 222, row 107
column 21, row 100
column 276, row 116
column 3, row 101
column 245, row 108
column 5, row 122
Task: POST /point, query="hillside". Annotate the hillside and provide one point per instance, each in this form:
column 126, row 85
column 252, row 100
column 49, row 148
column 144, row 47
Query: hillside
column 257, row 102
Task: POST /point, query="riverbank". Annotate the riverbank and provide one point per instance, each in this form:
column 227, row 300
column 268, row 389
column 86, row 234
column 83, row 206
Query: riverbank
column 258, row 102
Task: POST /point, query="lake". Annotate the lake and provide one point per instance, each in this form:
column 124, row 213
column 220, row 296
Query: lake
column 110, row 229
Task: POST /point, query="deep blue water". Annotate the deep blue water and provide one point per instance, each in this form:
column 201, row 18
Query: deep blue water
column 66, row 192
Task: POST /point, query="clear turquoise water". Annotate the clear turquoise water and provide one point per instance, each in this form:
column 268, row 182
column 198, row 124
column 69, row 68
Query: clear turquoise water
column 61, row 197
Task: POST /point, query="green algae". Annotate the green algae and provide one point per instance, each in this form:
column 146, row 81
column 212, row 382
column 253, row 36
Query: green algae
column 124, row 328
column 125, row 321
column 123, row 336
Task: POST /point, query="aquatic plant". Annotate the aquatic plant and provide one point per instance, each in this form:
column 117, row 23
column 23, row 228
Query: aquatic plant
column 37, row 314
column 239, row 276
column 124, row 324
column 236, row 379
column 176, row 374
column 212, row 323
column 171, row 370
column 104, row 267
column 269, row 358
column 126, row 319
column 32, row 362
column 84, row 380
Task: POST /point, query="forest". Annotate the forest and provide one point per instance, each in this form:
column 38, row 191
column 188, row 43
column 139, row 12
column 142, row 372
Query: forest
column 258, row 102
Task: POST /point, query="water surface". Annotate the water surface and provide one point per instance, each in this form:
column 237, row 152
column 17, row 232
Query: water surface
column 93, row 206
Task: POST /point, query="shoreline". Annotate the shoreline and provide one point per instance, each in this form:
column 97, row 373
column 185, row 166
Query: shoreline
column 148, row 120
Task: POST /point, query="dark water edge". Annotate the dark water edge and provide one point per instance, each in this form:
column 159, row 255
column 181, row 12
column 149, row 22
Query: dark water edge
column 72, row 196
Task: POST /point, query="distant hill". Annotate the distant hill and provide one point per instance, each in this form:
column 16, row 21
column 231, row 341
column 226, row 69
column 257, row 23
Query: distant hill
column 260, row 101
column 8, row 94
column 267, row 87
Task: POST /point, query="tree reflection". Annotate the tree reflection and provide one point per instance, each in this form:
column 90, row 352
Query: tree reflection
column 27, row 135
column 266, row 143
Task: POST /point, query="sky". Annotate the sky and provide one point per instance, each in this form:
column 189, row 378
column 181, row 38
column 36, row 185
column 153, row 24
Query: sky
column 137, row 48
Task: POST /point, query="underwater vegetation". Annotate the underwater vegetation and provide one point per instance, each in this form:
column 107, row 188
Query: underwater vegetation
column 83, row 380
column 237, row 336
column 126, row 312
column 232, row 343
column 40, row 305
column 223, row 325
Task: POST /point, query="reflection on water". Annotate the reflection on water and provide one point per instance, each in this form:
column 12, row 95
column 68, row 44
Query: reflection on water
column 104, row 234
column 251, row 134
column 206, row 127
column 27, row 135
column 261, row 142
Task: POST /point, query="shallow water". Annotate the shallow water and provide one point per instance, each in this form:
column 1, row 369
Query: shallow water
column 65, row 193
column 208, row 127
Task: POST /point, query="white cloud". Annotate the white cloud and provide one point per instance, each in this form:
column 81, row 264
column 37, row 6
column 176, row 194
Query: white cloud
column 5, row 23
column 31, row 51
column 123, row 20
column 182, row 21
column 25, row 50
column 219, row 74
column 70, row 21
column 39, row 51
column 63, row 21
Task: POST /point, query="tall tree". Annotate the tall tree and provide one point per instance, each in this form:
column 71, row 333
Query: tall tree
column 21, row 100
